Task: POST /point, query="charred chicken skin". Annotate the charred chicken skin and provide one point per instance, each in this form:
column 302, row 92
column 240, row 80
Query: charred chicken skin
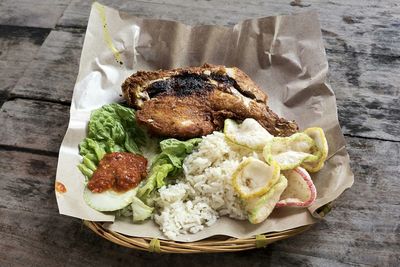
column 192, row 102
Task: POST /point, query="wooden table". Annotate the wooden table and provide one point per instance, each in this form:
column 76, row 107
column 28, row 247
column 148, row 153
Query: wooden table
column 40, row 46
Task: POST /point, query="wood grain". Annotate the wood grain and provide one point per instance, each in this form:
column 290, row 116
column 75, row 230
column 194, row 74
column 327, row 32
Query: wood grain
column 38, row 13
column 367, row 92
column 33, row 124
column 18, row 46
column 53, row 73
column 368, row 26
column 353, row 233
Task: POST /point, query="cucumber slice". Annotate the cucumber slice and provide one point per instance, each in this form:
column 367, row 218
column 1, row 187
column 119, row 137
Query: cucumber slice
column 260, row 208
column 300, row 191
column 109, row 200
column 321, row 149
column 249, row 133
column 290, row 152
column 254, row 177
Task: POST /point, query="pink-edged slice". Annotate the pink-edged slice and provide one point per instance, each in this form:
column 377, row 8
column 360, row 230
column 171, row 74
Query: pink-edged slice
column 300, row 191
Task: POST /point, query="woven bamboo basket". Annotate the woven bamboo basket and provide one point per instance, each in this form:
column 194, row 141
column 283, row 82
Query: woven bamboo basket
column 213, row 244
column 209, row 245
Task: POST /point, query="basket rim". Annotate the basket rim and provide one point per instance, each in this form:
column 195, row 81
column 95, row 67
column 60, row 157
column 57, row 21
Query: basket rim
column 213, row 244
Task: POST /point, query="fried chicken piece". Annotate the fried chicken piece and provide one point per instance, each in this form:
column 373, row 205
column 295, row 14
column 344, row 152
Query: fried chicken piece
column 182, row 117
column 192, row 102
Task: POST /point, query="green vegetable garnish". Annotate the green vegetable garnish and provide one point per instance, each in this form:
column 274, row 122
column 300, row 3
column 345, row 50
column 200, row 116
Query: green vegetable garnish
column 112, row 128
column 140, row 211
column 167, row 163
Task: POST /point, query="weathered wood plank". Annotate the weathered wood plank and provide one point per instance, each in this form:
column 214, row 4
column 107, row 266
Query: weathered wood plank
column 361, row 229
column 28, row 179
column 53, row 73
column 70, row 244
column 367, row 26
column 38, row 13
column 33, row 124
column 367, row 92
column 18, row 46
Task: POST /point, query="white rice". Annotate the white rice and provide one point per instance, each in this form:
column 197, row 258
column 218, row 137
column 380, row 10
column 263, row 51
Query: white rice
column 205, row 192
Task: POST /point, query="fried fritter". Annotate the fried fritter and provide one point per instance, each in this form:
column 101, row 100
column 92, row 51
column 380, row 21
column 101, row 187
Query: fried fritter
column 192, row 102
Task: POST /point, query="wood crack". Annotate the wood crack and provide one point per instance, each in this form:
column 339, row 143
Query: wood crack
column 370, row 138
column 71, row 28
column 32, row 98
column 28, row 150
column 375, row 55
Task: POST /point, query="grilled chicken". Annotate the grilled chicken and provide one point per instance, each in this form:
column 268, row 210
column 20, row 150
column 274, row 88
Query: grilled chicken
column 191, row 102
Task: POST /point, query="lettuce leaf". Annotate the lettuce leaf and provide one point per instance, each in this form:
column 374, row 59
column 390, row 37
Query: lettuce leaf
column 112, row 128
column 140, row 211
column 156, row 179
column 167, row 163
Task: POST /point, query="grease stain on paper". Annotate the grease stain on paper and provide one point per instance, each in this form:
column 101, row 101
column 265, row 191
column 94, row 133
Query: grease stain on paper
column 60, row 188
column 106, row 34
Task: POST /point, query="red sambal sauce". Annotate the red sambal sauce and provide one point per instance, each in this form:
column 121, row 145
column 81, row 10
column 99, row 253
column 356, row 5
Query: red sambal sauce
column 119, row 171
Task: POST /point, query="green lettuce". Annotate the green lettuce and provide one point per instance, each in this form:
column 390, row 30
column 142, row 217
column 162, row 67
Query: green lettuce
column 167, row 163
column 140, row 211
column 112, row 128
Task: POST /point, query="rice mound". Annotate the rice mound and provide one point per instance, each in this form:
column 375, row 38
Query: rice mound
column 205, row 192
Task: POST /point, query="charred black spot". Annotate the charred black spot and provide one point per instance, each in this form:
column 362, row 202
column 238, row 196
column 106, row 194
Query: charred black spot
column 225, row 79
column 187, row 84
column 184, row 84
column 228, row 81
column 157, row 88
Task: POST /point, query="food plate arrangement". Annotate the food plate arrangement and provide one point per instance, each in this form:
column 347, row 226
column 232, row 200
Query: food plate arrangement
column 243, row 172
column 180, row 156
